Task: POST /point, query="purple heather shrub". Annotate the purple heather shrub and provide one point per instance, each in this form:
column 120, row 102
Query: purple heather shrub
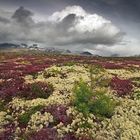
column 16, row 87
column 36, row 90
column 44, row 134
column 85, row 138
column 10, row 88
column 8, row 133
column 8, row 74
column 59, row 113
column 109, row 65
column 69, row 136
column 123, row 87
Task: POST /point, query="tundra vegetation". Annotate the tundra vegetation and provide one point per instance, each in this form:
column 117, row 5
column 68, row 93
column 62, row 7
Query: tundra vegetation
column 67, row 97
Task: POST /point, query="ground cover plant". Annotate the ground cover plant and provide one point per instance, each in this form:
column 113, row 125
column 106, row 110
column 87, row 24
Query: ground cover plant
column 67, row 97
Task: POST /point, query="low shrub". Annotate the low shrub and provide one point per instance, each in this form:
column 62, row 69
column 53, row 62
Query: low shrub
column 103, row 105
column 88, row 101
column 82, row 97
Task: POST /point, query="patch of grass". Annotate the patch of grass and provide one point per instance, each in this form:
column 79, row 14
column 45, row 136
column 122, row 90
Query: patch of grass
column 135, row 81
column 41, row 90
column 2, row 105
column 34, row 75
column 52, row 73
column 96, row 76
column 85, row 124
column 136, row 95
column 72, row 63
column 24, row 118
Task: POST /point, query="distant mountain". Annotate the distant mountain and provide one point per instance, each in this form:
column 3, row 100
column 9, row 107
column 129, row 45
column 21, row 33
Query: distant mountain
column 57, row 50
column 114, row 55
column 86, row 53
column 36, row 47
column 22, row 45
column 8, row 45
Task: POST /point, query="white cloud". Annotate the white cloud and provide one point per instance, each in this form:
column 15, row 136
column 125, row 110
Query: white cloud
column 60, row 15
column 84, row 28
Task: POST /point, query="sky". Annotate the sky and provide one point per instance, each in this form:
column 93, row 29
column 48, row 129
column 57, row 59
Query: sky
column 103, row 27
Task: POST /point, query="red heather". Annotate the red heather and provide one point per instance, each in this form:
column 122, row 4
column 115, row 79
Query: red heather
column 108, row 65
column 44, row 134
column 35, row 90
column 10, row 88
column 51, row 134
column 69, row 136
column 123, row 87
column 59, row 113
column 8, row 133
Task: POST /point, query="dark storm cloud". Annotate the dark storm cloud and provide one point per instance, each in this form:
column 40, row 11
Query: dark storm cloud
column 72, row 25
column 68, row 20
column 4, row 20
column 72, row 29
column 125, row 7
column 128, row 9
column 23, row 16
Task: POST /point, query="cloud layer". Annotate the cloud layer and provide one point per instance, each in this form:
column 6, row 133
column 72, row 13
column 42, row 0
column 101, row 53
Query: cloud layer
column 72, row 27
